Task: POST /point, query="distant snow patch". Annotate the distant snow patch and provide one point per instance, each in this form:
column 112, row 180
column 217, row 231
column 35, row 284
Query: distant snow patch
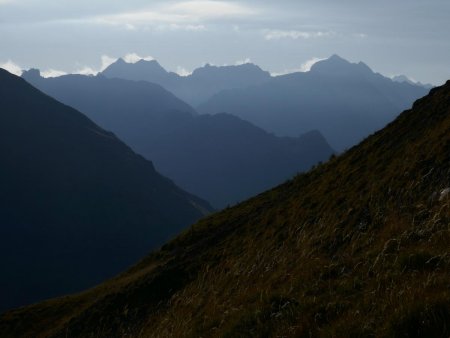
column 183, row 71
column 304, row 67
column 52, row 73
column 133, row 58
column 11, row 67
column 243, row 62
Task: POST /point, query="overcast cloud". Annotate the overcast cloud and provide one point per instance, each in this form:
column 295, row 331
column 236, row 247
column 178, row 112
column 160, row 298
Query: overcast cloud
column 393, row 37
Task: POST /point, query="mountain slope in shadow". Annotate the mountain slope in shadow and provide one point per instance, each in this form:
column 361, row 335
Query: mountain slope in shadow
column 76, row 204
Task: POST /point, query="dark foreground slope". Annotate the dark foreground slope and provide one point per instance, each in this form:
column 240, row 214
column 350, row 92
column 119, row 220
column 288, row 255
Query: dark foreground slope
column 220, row 158
column 76, row 204
column 357, row 247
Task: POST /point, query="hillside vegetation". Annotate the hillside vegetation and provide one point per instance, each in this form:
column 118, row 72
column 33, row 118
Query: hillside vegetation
column 357, row 247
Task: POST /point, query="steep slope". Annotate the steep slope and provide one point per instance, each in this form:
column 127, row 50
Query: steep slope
column 76, row 204
column 345, row 102
column 196, row 88
column 220, row 158
column 358, row 247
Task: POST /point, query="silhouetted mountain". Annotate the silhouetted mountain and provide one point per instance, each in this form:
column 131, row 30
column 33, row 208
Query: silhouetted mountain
column 403, row 78
column 142, row 70
column 358, row 247
column 344, row 101
column 196, row 88
column 76, row 204
column 220, row 158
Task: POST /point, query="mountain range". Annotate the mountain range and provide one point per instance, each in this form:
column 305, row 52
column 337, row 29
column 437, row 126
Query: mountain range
column 77, row 205
column 195, row 88
column 220, row 158
column 357, row 247
column 345, row 101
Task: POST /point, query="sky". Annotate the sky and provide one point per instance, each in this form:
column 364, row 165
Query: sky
column 393, row 37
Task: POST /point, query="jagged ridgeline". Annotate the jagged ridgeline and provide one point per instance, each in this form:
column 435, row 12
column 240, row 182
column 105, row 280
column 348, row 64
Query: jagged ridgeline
column 357, row 247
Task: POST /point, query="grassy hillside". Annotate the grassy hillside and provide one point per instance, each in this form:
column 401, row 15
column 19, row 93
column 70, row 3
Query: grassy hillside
column 359, row 246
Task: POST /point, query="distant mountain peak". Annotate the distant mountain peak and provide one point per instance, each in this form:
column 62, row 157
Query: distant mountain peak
column 147, row 62
column 31, row 74
column 336, row 57
column 362, row 65
column 249, row 65
column 150, row 67
column 227, row 69
column 404, row 78
column 142, row 61
column 151, row 64
column 120, row 61
column 333, row 61
column 336, row 65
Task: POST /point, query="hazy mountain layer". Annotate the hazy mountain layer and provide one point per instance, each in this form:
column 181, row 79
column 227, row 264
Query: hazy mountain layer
column 196, row 88
column 226, row 160
column 76, row 204
column 346, row 102
column 358, row 247
column 220, row 158
column 134, row 110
